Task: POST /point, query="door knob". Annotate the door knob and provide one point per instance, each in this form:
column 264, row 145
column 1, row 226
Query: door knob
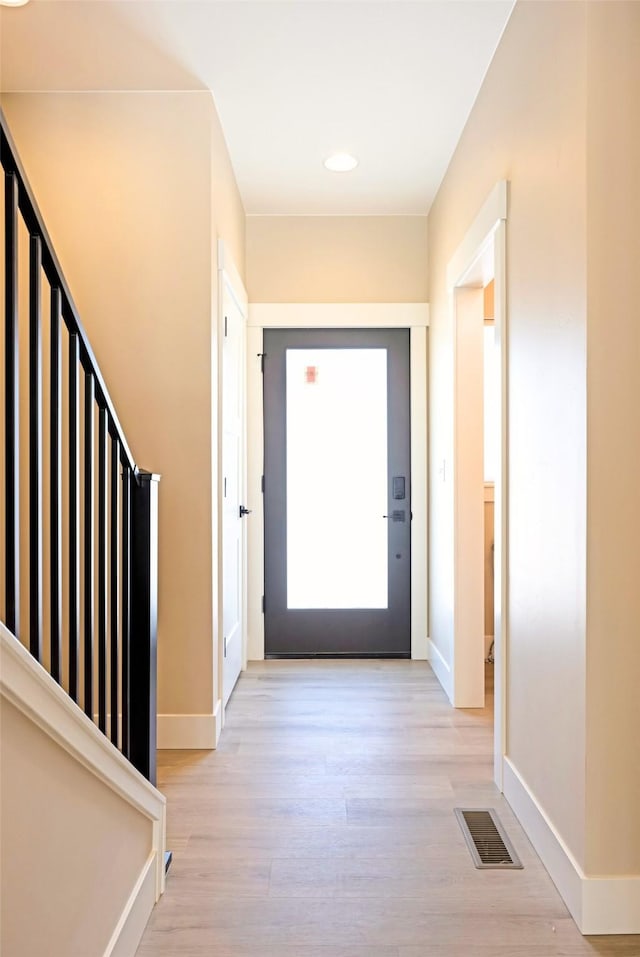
column 244, row 511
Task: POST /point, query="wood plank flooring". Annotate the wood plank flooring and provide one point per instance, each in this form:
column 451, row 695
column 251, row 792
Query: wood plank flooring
column 323, row 827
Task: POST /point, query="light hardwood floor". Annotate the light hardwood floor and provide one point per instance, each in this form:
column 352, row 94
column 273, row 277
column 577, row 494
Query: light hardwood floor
column 323, row 827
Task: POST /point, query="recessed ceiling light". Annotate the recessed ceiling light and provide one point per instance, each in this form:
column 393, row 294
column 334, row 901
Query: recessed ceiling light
column 13, row 3
column 341, row 162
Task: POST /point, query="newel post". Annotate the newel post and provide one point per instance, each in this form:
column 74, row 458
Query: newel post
column 144, row 624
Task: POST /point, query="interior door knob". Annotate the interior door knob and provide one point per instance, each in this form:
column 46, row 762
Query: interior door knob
column 244, row 511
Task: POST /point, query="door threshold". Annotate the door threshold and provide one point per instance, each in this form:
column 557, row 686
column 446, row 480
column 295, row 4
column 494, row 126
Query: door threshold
column 338, row 655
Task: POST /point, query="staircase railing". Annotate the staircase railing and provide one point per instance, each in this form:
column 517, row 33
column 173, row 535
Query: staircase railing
column 80, row 518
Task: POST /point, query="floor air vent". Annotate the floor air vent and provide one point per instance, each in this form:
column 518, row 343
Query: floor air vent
column 486, row 838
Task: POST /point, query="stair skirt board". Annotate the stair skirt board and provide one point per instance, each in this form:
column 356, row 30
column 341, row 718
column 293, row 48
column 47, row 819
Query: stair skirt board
column 34, row 693
column 135, row 916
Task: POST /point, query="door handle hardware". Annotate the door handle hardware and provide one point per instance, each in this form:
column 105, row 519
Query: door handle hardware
column 244, row 511
column 396, row 516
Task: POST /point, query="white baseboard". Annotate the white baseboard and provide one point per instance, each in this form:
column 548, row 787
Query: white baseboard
column 420, row 649
column 441, row 670
column 218, row 715
column 556, row 857
column 611, row 905
column 189, row 732
column 599, row 904
column 133, row 920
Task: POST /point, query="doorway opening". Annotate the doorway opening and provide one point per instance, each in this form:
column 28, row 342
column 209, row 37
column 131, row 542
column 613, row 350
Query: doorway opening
column 491, row 436
column 477, row 283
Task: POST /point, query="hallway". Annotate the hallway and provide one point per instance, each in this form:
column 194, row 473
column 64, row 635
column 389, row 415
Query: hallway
column 323, row 827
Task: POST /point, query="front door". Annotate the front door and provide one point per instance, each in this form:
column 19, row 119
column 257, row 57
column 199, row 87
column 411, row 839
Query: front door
column 337, row 493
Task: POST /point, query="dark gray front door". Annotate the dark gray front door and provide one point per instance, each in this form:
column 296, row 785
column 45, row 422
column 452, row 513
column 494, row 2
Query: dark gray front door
column 337, row 493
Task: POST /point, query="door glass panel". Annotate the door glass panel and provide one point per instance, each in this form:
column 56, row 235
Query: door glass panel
column 336, row 435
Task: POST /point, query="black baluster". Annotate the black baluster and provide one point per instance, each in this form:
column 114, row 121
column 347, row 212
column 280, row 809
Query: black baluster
column 102, row 569
column 35, row 448
column 55, row 488
column 12, row 405
column 115, row 579
column 126, row 602
column 74, row 513
column 89, row 396
column 144, row 623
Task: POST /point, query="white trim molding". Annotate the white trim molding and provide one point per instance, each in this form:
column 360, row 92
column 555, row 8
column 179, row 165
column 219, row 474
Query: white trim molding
column 412, row 316
column 26, row 685
column 478, row 236
column 135, row 915
column 599, row 904
column 419, row 500
column 346, row 315
column 441, row 669
column 255, row 525
column 190, row 732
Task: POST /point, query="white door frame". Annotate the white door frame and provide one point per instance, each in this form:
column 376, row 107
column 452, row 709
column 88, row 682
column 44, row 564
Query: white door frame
column 229, row 281
column 412, row 316
column 480, row 257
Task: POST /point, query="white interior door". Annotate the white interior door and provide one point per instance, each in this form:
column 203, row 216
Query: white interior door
column 233, row 490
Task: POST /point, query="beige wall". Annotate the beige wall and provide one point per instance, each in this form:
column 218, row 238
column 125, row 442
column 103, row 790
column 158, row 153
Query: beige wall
column 528, row 126
column 337, row 258
column 72, row 850
column 557, row 117
column 229, row 220
column 613, row 409
column 135, row 188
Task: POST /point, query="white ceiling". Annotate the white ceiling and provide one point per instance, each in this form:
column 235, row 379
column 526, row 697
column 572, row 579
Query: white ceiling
column 392, row 82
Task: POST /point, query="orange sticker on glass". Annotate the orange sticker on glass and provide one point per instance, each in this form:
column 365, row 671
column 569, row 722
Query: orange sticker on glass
column 311, row 375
